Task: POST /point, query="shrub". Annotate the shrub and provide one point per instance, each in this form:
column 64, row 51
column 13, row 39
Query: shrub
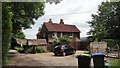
column 41, row 49
column 31, row 49
column 24, row 49
column 111, row 42
column 19, row 49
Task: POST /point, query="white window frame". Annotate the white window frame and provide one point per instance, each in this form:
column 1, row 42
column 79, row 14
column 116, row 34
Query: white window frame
column 61, row 34
column 54, row 34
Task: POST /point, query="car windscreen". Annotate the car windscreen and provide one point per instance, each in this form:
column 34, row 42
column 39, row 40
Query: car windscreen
column 58, row 46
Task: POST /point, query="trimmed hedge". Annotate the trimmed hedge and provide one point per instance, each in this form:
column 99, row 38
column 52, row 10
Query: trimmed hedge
column 6, row 31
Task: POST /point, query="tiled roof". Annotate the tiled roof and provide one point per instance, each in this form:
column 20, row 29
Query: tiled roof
column 31, row 41
column 61, row 27
column 21, row 41
column 37, row 42
column 38, row 33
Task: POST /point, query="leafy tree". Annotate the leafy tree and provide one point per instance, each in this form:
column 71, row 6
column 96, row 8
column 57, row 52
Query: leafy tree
column 62, row 40
column 53, row 1
column 106, row 23
column 23, row 15
column 15, row 17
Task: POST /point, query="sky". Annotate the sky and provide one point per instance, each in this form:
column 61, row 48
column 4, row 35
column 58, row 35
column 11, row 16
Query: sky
column 73, row 12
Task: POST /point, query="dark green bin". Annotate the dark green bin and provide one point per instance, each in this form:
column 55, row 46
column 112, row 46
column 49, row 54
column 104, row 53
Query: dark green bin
column 84, row 60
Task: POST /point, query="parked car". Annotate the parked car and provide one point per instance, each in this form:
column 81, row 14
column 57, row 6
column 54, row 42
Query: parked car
column 64, row 50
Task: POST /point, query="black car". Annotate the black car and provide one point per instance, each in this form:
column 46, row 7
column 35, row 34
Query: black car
column 64, row 50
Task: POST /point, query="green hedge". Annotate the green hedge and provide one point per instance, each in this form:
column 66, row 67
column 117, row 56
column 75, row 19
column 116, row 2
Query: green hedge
column 6, row 31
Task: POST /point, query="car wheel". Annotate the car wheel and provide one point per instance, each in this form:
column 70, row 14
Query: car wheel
column 55, row 54
column 64, row 54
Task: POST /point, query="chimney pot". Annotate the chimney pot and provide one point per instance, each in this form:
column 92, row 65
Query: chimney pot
column 61, row 21
column 50, row 20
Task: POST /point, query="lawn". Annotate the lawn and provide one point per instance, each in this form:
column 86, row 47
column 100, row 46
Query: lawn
column 115, row 63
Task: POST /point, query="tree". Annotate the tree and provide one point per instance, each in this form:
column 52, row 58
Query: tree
column 62, row 40
column 15, row 17
column 105, row 24
column 23, row 15
column 53, row 1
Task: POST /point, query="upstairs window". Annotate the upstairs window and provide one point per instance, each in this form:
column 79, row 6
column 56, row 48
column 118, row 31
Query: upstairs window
column 71, row 34
column 54, row 34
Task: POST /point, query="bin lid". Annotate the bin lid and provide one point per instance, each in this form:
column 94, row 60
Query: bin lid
column 84, row 55
column 98, row 54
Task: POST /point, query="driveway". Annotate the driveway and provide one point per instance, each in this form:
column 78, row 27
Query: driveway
column 43, row 59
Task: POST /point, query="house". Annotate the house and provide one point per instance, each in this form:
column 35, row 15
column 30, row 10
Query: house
column 51, row 30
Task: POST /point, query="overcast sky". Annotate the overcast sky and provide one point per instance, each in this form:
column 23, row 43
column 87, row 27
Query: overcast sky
column 75, row 12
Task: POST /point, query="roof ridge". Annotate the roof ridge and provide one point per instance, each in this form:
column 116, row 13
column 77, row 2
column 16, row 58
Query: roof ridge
column 61, row 27
column 58, row 23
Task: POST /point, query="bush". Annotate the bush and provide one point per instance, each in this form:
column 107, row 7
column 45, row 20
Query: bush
column 111, row 42
column 19, row 49
column 24, row 49
column 27, row 49
column 41, row 49
column 31, row 49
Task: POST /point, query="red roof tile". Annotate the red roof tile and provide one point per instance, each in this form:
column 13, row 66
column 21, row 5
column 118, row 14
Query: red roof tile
column 61, row 27
column 31, row 41
column 37, row 42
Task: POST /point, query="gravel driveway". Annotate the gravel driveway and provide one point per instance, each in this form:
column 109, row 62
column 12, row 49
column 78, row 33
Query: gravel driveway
column 46, row 60
column 43, row 59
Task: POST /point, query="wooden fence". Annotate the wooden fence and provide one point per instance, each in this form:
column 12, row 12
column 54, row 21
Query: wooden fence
column 101, row 47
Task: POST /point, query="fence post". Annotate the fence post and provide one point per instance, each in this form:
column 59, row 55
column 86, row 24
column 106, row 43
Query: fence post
column 97, row 50
column 118, row 49
column 107, row 51
column 91, row 49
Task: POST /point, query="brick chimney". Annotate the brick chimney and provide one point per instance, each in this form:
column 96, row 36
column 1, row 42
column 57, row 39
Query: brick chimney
column 61, row 21
column 50, row 21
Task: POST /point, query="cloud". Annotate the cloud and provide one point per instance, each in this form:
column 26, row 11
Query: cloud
column 73, row 6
